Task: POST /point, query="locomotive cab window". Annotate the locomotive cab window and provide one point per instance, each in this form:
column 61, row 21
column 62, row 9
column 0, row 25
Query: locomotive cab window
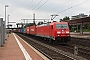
column 62, row 25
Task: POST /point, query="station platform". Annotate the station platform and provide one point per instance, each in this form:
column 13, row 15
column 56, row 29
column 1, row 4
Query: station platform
column 15, row 48
column 85, row 35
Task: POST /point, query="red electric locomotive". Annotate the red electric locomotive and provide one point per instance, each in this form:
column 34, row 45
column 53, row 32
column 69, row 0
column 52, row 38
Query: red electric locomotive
column 55, row 31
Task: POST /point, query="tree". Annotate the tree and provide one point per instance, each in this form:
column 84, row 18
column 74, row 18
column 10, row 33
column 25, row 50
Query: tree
column 65, row 18
column 61, row 20
column 39, row 23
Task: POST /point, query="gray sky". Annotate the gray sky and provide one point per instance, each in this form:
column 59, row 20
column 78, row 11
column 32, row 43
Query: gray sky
column 20, row 9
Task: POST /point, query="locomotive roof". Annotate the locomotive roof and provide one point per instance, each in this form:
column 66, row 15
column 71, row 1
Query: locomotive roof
column 58, row 23
column 44, row 24
column 52, row 23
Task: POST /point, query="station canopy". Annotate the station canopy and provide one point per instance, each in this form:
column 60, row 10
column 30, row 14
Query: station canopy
column 80, row 20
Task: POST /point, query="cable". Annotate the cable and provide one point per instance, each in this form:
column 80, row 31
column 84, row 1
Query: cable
column 73, row 6
column 42, row 4
column 55, row 8
column 29, row 8
column 37, row 4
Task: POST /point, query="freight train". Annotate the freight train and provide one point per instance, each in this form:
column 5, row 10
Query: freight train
column 54, row 32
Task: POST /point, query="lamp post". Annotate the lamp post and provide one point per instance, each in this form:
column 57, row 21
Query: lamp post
column 5, row 20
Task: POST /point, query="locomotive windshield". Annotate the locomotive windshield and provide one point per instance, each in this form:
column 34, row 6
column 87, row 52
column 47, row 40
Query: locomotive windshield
column 62, row 25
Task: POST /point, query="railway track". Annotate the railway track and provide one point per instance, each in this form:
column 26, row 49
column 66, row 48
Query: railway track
column 81, row 41
column 83, row 51
column 83, row 46
column 52, row 52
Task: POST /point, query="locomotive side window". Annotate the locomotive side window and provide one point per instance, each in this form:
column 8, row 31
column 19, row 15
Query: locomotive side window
column 62, row 25
column 52, row 26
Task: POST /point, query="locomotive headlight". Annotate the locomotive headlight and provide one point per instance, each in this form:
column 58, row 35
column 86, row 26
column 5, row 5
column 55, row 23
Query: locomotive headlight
column 67, row 32
column 58, row 32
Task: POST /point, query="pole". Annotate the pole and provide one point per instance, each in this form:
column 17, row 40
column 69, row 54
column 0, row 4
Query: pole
column 34, row 18
column 27, row 22
column 75, row 50
column 1, row 32
column 81, row 28
column 24, row 24
column 8, row 25
column 5, row 21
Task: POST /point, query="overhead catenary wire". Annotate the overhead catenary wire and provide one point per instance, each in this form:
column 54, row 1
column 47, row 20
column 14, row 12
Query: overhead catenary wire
column 60, row 11
column 74, row 6
column 37, row 4
column 29, row 7
column 57, row 7
column 24, row 10
column 42, row 5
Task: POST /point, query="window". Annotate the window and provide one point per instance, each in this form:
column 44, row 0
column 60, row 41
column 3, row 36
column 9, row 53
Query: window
column 52, row 26
column 62, row 25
